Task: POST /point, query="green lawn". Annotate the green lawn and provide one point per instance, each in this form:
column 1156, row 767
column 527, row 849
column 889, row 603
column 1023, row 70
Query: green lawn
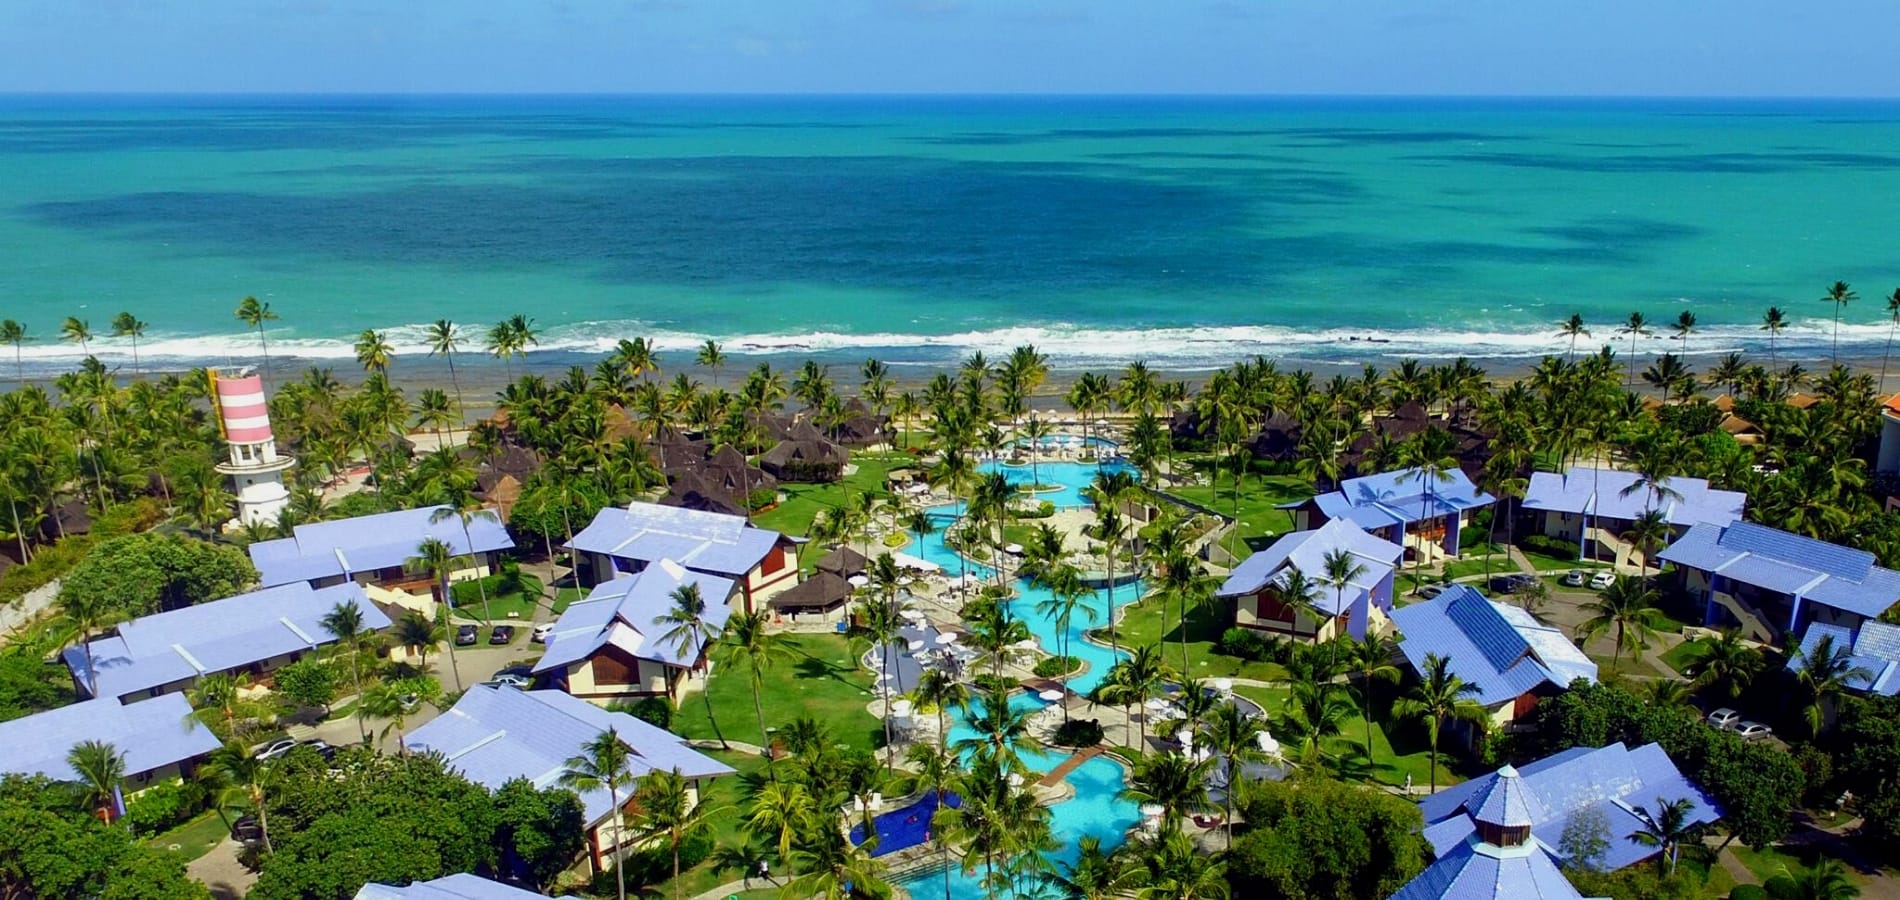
column 802, row 502
column 1259, row 495
column 821, row 679
column 519, row 599
column 1627, row 665
column 1769, row 862
column 1684, row 655
column 1388, row 765
column 1146, row 622
column 565, row 596
column 192, row 839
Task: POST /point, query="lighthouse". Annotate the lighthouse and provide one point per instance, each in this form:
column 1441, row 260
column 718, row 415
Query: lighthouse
column 255, row 466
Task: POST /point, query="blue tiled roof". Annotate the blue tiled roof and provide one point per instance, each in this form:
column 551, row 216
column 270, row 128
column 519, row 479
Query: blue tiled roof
column 1506, row 802
column 1503, row 652
column 1401, row 497
column 649, row 532
column 1612, row 780
column 460, row 886
column 496, row 734
column 636, row 604
column 218, row 636
column 1471, row 870
column 1787, row 563
column 1873, row 649
column 153, row 734
column 1308, row 550
column 367, row 543
column 1600, row 493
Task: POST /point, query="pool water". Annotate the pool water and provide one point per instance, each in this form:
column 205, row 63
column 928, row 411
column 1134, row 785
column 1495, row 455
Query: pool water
column 1098, row 808
column 1072, row 477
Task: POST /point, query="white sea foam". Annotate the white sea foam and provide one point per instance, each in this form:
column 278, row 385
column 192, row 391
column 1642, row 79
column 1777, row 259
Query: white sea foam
column 1066, row 346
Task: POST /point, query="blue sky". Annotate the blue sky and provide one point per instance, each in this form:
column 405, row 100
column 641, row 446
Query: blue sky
column 1576, row 47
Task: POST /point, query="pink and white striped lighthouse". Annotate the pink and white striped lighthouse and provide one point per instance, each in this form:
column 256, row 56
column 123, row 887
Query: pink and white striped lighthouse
column 255, row 467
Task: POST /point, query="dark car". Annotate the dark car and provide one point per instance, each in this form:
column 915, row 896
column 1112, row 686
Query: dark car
column 246, row 830
column 322, row 747
column 502, row 634
column 1511, row 584
column 465, row 635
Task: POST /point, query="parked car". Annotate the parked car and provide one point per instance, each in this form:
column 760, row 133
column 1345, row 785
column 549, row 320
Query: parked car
column 466, row 635
column 322, row 747
column 274, row 749
column 1753, row 731
column 1574, row 578
column 1511, row 584
column 1724, row 718
column 1432, row 590
column 511, row 679
column 1602, row 579
column 246, row 830
column 542, row 632
column 502, row 634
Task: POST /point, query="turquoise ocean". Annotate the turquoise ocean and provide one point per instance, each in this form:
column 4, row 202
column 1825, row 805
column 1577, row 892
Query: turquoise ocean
column 1185, row 231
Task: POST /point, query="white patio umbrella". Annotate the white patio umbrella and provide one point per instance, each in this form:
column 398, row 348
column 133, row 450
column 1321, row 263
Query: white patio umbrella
column 915, row 645
column 1051, row 695
column 857, row 581
column 947, row 638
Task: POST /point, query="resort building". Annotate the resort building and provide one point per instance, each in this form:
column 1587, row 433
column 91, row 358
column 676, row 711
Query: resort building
column 374, row 551
column 1257, row 585
column 1594, row 507
column 1772, row 583
column 496, row 734
column 460, row 886
column 622, row 541
column 1529, row 806
column 161, row 739
column 1498, row 857
column 614, row 643
column 1512, row 659
column 1407, row 507
column 1872, row 649
column 1887, row 458
column 251, row 634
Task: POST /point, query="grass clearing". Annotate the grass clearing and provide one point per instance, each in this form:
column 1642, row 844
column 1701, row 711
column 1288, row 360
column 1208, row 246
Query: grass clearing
column 821, row 679
column 192, row 839
column 803, row 502
column 510, row 598
column 1147, row 622
column 1257, row 511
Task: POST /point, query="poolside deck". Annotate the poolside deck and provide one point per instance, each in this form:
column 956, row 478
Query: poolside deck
column 1074, row 761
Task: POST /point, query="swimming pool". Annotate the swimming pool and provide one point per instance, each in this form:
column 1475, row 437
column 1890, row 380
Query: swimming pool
column 1071, row 477
column 1097, row 808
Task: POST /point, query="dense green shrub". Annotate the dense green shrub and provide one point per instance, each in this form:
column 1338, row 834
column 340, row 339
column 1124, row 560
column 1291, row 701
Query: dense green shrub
column 761, row 498
column 165, row 806
column 1748, row 892
column 48, row 563
column 654, row 711
column 1245, row 643
column 653, row 866
column 1078, row 733
column 1782, row 887
column 1549, row 546
column 1056, row 666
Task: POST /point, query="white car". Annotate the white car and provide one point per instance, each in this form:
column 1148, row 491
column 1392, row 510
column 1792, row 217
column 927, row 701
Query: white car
column 1724, row 718
column 1602, row 579
column 274, row 749
column 511, row 679
column 1573, row 578
column 542, row 632
column 1753, row 731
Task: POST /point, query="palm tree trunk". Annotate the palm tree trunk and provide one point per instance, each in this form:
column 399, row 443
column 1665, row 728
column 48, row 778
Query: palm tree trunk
column 676, row 867
column 620, row 873
column 263, row 821
column 758, row 709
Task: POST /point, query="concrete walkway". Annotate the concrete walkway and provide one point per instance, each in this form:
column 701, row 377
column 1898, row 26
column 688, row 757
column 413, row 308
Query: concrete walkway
column 220, row 871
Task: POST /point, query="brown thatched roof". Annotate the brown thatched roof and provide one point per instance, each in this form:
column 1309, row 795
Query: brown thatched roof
column 690, row 490
column 821, row 591
column 843, row 561
column 819, row 451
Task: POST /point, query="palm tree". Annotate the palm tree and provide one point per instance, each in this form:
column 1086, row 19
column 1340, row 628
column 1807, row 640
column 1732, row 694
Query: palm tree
column 373, row 351
column 86, row 613
column 747, row 644
column 1685, row 325
column 444, row 339
column 418, row 634
column 12, row 332
column 254, row 313
column 461, row 505
column 1093, row 876
column 690, row 633
column 943, row 689
column 1728, row 662
column 127, row 325
column 1067, row 591
column 1839, row 294
column 1636, row 326
column 1893, row 321
column 1175, row 782
column 101, row 767
column 436, row 557
column 1573, row 328
column 836, row 869
column 78, row 331
column 663, row 807
column 1648, row 532
column 1429, row 455
column 1628, row 605
column 1823, row 672
column 712, row 357
column 232, row 764
column 344, row 622
column 1340, row 569
column 1440, row 697
column 605, row 762
column 1773, row 321
column 1666, row 828
column 1825, row 880
column 1136, row 678
column 780, row 811
column 1168, row 866
column 1371, row 660
column 1235, row 736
